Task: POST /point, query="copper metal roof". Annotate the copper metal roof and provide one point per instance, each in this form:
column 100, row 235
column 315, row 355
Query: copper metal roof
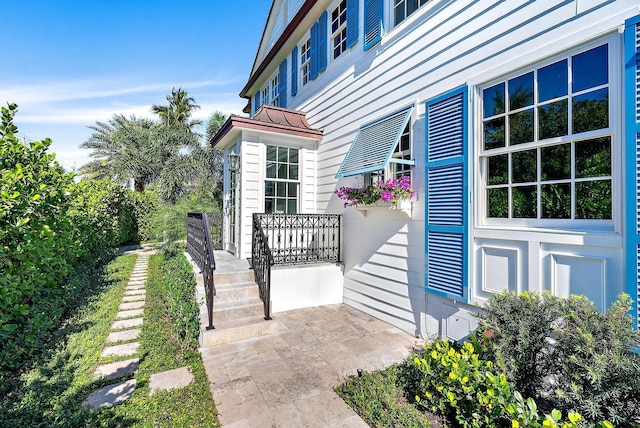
column 271, row 119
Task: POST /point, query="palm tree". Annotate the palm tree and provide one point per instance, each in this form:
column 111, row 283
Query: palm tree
column 123, row 149
column 179, row 111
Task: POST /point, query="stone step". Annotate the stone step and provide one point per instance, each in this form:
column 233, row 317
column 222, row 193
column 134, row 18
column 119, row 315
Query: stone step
column 237, row 292
column 236, row 330
column 110, row 395
column 133, row 298
column 117, row 369
column 121, row 350
column 135, row 292
column 133, row 313
column 233, row 277
column 124, row 335
column 234, row 310
column 131, row 305
column 128, row 323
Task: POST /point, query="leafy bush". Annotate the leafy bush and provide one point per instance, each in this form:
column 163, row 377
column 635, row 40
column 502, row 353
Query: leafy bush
column 180, row 300
column 456, row 382
column 50, row 228
column 568, row 355
column 146, row 205
column 104, row 215
column 36, row 246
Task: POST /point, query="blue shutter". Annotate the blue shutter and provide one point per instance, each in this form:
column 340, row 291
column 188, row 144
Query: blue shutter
column 632, row 156
column 313, row 52
column 352, row 22
column 447, row 217
column 322, row 42
column 372, row 22
column 294, row 71
column 282, row 84
column 256, row 101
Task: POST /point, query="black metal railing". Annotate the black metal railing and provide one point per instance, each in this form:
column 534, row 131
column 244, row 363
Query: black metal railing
column 200, row 247
column 215, row 229
column 302, row 238
column 261, row 262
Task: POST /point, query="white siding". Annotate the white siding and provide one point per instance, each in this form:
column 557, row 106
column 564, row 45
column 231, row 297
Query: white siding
column 439, row 48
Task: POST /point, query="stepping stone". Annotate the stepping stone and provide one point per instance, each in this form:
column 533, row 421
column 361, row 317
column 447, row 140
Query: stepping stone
column 121, row 350
column 117, row 369
column 177, row 378
column 124, row 336
column 129, row 314
column 137, row 282
column 134, row 292
column 134, row 287
column 131, row 305
column 110, row 395
column 131, row 322
column 133, row 298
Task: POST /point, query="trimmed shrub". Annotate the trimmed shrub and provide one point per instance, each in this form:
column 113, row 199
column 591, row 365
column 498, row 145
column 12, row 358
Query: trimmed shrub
column 180, row 300
column 36, row 234
column 568, row 355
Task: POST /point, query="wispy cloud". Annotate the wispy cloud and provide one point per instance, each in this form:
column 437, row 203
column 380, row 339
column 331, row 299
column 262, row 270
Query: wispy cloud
column 60, row 91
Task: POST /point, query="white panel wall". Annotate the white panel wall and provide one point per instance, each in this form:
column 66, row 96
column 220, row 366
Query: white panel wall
column 305, row 286
column 439, row 48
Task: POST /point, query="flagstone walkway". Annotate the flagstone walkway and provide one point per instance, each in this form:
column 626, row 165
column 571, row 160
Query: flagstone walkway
column 120, row 355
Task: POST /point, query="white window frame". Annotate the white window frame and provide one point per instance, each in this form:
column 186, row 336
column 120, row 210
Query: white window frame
column 287, row 181
column 614, row 131
column 304, row 52
column 275, row 90
column 341, row 32
column 393, row 4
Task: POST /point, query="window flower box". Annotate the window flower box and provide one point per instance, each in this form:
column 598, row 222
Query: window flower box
column 403, row 205
column 393, row 194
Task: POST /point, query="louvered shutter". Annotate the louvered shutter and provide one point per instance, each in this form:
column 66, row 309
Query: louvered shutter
column 322, row 42
column 256, row 101
column 352, row 22
column 313, row 52
column 282, row 84
column 632, row 153
column 294, row 71
column 374, row 144
column 372, row 22
column 447, row 228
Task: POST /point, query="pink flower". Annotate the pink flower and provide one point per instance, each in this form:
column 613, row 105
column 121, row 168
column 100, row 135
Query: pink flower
column 386, row 196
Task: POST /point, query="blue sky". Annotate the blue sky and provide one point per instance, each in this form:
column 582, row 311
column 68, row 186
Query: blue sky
column 70, row 63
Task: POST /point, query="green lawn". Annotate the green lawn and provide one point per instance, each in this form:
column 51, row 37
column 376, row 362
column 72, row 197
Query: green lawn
column 49, row 392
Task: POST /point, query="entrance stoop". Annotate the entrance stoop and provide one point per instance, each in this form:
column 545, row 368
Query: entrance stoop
column 238, row 312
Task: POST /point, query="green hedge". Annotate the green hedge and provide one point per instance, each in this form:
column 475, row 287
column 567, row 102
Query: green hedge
column 49, row 227
column 180, row 300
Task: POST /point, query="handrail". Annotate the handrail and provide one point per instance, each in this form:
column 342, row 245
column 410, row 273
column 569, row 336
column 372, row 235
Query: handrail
column 200, row 248
column 298, row 239
column 261, row 262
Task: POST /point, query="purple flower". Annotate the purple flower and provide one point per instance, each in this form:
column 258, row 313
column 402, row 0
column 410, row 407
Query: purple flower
column 386, row 196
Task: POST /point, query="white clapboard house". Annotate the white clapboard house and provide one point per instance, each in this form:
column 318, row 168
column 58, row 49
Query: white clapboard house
column 517, row 121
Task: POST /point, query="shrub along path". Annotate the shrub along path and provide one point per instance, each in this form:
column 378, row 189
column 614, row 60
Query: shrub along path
column 120, row 358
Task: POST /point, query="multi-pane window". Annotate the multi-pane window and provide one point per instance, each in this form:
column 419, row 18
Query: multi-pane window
column 402, row 151
column 403, row 8
column 339, row 29
column 275, row 91
column 547, row 141
column 282, row 180
column 266, row 93
column 305, row 61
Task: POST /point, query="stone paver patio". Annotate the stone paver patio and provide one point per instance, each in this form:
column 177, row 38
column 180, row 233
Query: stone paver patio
column 287, row 379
